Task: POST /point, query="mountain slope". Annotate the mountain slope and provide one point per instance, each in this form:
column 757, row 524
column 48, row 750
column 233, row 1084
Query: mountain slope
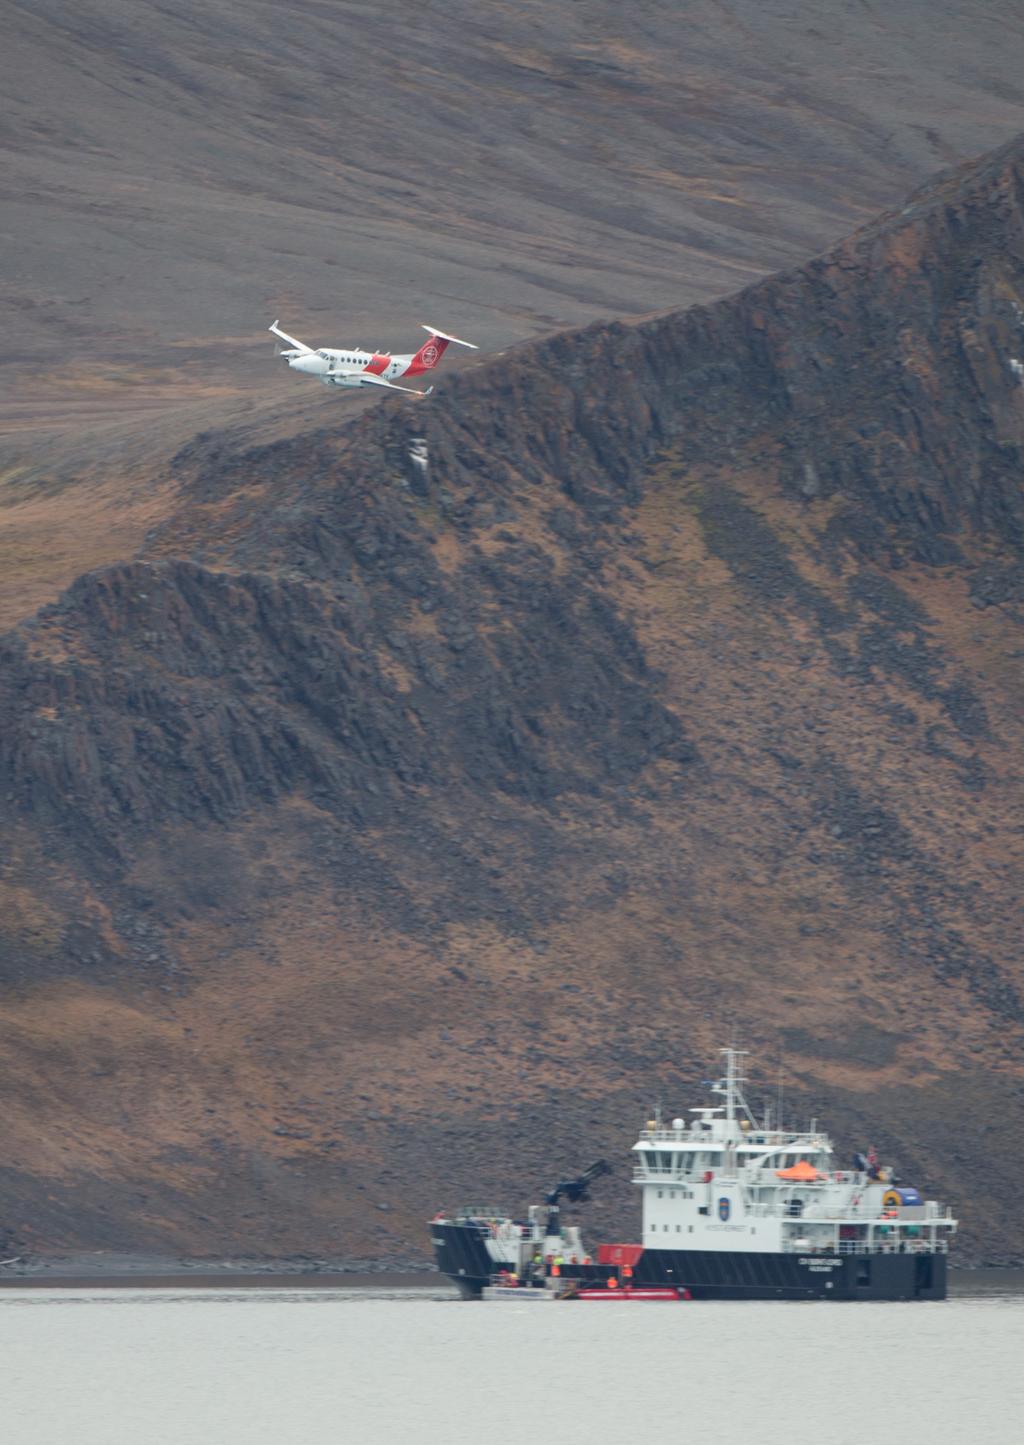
column 178, row 173
column 387, row 831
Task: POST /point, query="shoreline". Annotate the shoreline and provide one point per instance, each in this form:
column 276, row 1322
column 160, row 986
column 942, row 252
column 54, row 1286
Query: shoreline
column 223, row 1279
column 104, row 1271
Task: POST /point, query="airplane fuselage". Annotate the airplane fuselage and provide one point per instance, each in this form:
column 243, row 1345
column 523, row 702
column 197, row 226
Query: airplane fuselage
column 347, row 368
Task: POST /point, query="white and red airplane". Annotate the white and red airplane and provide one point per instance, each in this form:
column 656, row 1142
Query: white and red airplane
column 367, row 368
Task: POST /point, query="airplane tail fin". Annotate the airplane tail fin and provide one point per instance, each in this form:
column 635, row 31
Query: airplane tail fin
column 433, row 349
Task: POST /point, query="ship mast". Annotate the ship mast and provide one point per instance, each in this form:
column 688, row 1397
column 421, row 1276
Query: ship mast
column 735, row 1103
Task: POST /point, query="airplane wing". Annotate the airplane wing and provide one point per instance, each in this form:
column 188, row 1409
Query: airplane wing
column 370, row 380
column 300, row 345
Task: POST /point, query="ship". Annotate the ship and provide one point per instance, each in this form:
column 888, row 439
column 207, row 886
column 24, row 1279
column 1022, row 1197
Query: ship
column 733, row 1207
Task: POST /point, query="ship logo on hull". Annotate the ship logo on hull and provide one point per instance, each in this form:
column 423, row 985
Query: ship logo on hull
column 724, row 1209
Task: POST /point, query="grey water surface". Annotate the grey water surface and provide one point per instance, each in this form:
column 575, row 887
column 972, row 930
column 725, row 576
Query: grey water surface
column 273, row 1366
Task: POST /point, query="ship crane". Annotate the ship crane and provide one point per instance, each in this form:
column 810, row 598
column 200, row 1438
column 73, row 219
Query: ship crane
column 575, row 1191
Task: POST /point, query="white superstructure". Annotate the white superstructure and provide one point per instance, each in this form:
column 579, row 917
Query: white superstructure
column 724, row 1181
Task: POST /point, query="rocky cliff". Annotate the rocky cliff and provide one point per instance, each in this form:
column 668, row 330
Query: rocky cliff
column 431, row 793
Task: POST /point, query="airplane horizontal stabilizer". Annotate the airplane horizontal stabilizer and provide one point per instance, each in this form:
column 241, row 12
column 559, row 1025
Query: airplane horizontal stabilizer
column 445, row 337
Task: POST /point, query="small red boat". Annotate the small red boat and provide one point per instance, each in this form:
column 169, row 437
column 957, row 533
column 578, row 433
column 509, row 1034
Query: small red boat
column 631, row 1292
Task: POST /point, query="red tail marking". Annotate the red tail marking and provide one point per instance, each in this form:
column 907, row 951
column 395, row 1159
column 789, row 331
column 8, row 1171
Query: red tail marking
column 428, row 356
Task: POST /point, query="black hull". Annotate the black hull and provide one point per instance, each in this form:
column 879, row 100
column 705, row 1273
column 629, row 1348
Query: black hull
column 708, row 1274
column 462, row 1255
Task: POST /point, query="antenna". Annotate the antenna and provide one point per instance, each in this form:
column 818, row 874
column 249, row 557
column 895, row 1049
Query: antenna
column 781, row 1091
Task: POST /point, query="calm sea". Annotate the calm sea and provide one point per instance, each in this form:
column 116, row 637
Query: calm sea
column 391, row 1366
